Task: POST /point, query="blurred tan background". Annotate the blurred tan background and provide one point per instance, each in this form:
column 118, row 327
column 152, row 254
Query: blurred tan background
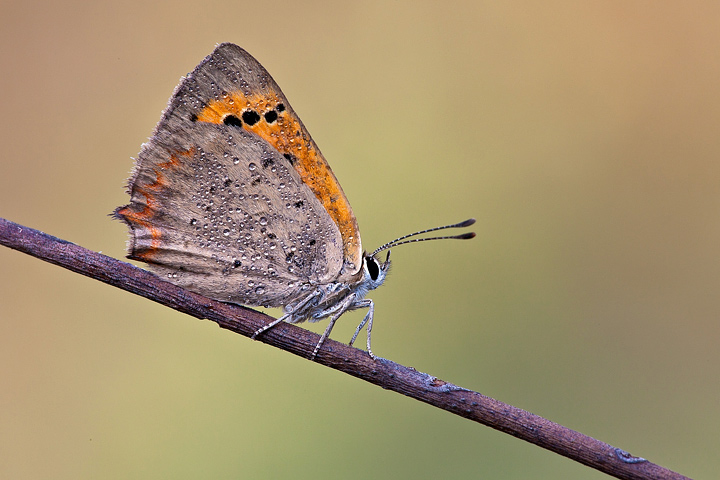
column 583, row 137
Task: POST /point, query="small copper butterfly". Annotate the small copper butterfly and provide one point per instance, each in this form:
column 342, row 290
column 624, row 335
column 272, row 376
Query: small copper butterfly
column 232, row 199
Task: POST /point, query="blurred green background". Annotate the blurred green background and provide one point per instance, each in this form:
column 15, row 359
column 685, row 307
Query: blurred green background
column 582, row 135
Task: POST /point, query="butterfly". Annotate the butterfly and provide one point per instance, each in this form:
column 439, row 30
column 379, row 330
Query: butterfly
column 232, row 199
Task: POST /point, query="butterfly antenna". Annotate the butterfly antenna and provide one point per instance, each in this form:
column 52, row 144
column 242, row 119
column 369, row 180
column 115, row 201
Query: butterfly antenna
column 402, row 240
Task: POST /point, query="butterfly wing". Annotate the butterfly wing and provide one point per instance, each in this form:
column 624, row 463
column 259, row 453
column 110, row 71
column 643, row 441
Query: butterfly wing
column 231, row 87
column 219, row 203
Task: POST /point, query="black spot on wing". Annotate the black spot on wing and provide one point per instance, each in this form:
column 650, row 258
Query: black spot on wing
column 271, row 116
column 250, row 117
column 232, row 120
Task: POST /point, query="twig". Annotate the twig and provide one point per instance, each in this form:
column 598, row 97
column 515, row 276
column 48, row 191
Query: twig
column 389, row 375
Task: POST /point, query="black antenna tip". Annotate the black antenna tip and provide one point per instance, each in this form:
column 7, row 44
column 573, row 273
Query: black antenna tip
column 466, row 236
column 466, row 223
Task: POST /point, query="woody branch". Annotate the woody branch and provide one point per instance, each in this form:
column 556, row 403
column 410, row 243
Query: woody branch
column 387, row 374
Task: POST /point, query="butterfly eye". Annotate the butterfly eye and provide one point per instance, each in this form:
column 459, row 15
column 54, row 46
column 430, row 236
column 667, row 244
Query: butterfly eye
column 373, row 268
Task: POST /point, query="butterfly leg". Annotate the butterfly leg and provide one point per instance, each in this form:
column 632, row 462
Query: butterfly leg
column 289, row 315
column 335, row 312
column 325, row 335
column 270, row 325
column 367, row 320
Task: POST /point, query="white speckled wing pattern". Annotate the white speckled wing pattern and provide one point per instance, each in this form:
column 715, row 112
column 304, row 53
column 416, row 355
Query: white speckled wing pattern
column 218, row 210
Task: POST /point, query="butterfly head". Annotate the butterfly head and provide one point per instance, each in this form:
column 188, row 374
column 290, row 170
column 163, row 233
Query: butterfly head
column 374, row 270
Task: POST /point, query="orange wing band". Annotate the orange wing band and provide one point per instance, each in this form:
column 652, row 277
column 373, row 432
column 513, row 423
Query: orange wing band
column 143, row 218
